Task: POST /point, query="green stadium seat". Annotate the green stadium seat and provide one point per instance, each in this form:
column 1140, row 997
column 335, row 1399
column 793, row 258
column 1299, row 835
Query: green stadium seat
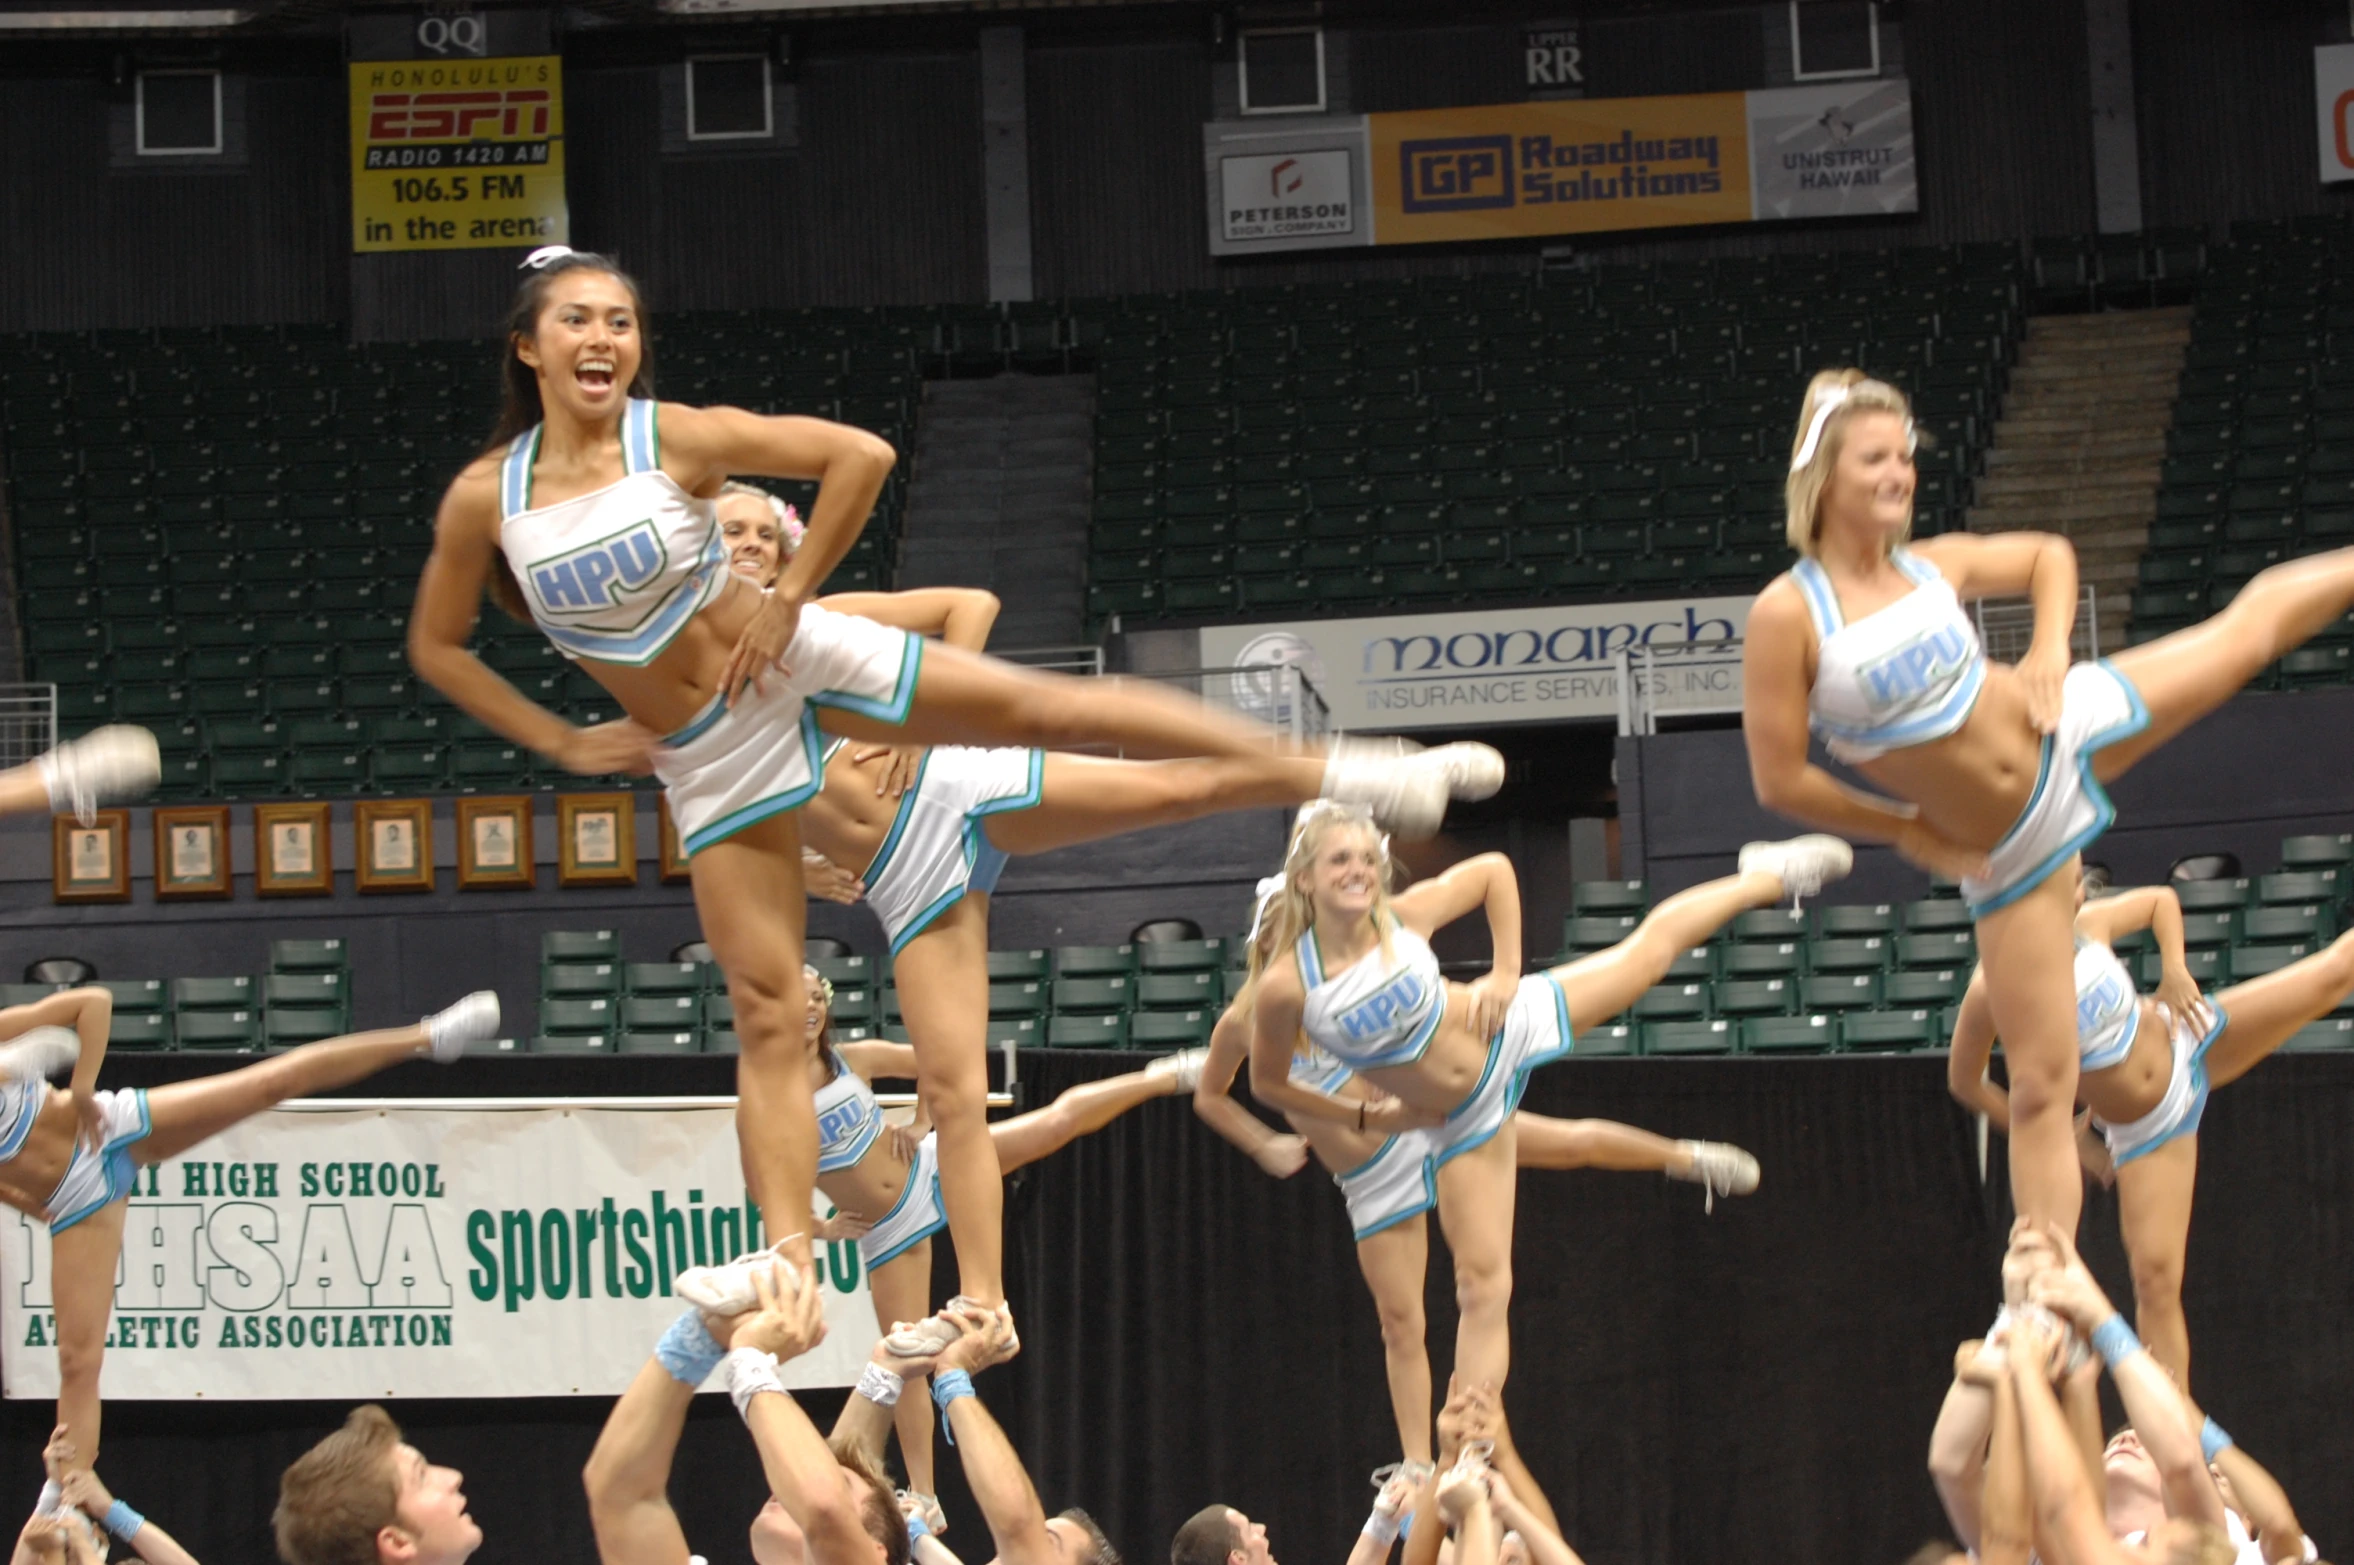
column 656, row 1042
column 2211, row 896
column 330, row 990
column 1689, row 1037
column 1093, row 994
column 2331, row 1032
column 2276, row 925
column 1696, row 966
column 1839, row 992
column 1816, row 1034
column 1596, row 933
column 328, row 955
column 1094, row 961
column 721, row 1040
column 1936, row 915
column 26, row 994
column 1106, row 1030
column 2209, row 928
column 1023, row 1032
column 1022, row 997
column 135, row 994
column 1170, row 1029
column 212, row 994
column 1180, row 956
column 575, row 980
column 665, row 977
column 2209, row 967
column 1868, row 955
column 294, row 1026
column 1856, row 922
column 1761, row 960
column 1956, row 949
column 1770, row 924
column 1671, row 1003
column 1005, row 966
column 1922, row 987
column 849, row 971
column 1611, row 897
column 1889, row 1031
column 2317, row 852
column 217, row 1029
column 597, row 1014
column 580, row 945
column 661, row 1013
column 1614, row 1038
column 2311, row 885
column 2246, row 962
column 1179, row 991
column 572, row 1043
column 1756, row 997
column 139, row 1030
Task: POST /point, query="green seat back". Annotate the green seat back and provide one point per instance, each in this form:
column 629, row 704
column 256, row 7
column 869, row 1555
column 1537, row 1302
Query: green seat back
column 214, row 994
column 1957, row 949
column 306, row 989
column 1840, row 992
column 572, row 980
column 572, row 1043
column 563, row 1016
column 1094, row 961
column 1811, row 1034
column 1093, row 994
column 218, row 1029
column 580, row 945
column 1868, row 955
column 1005, row 966
column 662, row 1012
column 309, row 956
column 139, row 1030
column 1104, row 1030
column 1178, row 956
column 665, row 977
column 1671, row 1003
column 1170, row 1029
column 1180, row 991
column 1857, row 922
column 654, row 1042
column 1889, row 1031
column 1689, row 1037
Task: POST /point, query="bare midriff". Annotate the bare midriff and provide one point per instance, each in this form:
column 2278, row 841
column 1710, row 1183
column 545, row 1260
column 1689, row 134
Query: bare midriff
column 30, row 1178
column 1448, row 1070
column 1972, row 784
column 848, row 820
column 2125, row 1091
column 671, row 692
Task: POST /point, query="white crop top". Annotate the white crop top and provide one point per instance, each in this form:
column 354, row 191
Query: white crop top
column 614, row 574
column 848, row 1119
column 1315, row 1068
column 2108, row 1007
column 1900, row 676
column 1373, row 1013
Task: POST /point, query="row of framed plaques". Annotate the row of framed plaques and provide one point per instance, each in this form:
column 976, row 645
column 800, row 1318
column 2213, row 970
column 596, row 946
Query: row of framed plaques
column 294, row 854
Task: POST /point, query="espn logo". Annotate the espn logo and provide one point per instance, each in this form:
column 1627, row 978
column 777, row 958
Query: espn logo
column 462, row 116
column 1455, row 174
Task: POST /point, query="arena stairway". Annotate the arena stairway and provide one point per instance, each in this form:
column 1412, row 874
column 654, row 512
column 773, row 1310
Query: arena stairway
column 1000, row 499
column 2081, row 441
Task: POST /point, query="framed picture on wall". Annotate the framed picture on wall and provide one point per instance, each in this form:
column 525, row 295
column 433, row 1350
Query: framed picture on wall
column 293, row 855
column 393, row 841
column 494, row 843
column 91, row 863
column 191, row 851
column 674, row 856
column 596, row 839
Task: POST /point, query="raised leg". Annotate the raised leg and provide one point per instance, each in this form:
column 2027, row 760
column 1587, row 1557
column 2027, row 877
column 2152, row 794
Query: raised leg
column 943, row 979
column 1087, row 798
column 2154, row 1213
column 1395, row 1262
column 1476, row 1194
column 84, row 1261
column 2260, row 1014
column 2183, row 677
column 1595, row 1143
column 748, row 898
column 2027, row 952
column 1600, row 986
column 1081, row 1111
column 186, row 1112
column 23, row 791
column 903, row 1291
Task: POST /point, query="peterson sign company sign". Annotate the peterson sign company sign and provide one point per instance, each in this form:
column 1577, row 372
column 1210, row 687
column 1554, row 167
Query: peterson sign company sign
column 1465, row 670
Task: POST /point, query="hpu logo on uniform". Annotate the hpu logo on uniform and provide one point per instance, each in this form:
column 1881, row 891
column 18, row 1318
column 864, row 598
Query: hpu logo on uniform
column 1371, row 1017
column 840, row 1123
column 2109, row 993
column 1455, row 174
column 595, row 577
column 1917, row 666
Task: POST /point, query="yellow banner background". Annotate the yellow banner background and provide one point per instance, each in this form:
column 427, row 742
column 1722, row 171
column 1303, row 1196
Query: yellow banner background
column 457, row 154
column 1512, row 170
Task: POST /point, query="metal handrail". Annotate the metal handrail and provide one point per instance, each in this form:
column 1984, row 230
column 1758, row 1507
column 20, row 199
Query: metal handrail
column 28, row 722
column 1084, row 659
column 1280, row 695
column 1639, row 672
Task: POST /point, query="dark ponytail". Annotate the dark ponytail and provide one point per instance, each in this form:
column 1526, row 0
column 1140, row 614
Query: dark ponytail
column 519, row 404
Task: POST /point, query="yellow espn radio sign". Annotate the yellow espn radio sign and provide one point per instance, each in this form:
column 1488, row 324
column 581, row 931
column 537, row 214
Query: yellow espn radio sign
column 1516, row 170
column 457, row 154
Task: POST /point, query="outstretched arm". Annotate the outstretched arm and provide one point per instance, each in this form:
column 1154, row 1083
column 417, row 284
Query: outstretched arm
column 1213, row 1100
column 960, row 616
column 1957, row 1448
column 1973, row 1049
column 2069, row 1527
column 995, row 1475
column 628, row 1473
column 2158, row 910
column 801, row 1470
column 1485, row 880
column 1275, row 1024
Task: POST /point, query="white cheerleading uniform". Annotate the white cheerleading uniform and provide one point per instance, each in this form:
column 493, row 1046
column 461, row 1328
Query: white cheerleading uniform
column 2108, row 1007
column 936, row 850
column 1381, row 1010
column 615, row 574
column 1911, row 672
column 849, row 1121
column 2184, row 1102
column 2108, row 1017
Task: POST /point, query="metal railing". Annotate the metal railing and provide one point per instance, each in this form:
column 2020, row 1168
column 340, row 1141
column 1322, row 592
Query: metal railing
column 1677, row 679
column 2007, row 627
column 1277, row 694
column 1083, row 660
column 28, row 722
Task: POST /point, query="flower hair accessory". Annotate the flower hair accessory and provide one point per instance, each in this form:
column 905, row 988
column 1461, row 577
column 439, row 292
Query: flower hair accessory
column 823, row 985
column 788, row 525
column 544, row 257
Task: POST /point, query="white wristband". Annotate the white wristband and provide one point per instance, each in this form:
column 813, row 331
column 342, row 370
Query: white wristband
column 1381, row 1526
column 879, row 1386
column 749, row 1373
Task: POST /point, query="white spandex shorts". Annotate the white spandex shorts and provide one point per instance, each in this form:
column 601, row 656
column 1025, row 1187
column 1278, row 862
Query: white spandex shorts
column 1535, row 1032
column 2184, row 1103
column 915, row 1216
column 735, row 766
column 2069, row 808
column 1395, row 1183
column 95, row 1180
column 937, row 850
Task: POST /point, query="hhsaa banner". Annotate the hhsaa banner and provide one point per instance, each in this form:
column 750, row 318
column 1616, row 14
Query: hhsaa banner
column 1464, row 670
column 430, row 1251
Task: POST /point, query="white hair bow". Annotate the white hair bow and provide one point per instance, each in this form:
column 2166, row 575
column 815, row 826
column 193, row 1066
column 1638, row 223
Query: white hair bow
column 542, row 258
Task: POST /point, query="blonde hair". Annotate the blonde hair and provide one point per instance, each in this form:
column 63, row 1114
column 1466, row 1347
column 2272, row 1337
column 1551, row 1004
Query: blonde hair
column 1849, row 392
column 1287, row 912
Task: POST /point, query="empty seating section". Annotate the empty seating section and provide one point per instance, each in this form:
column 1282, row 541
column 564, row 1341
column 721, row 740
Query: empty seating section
column 219, row 531
column 2260, row 461
column 1617, row 431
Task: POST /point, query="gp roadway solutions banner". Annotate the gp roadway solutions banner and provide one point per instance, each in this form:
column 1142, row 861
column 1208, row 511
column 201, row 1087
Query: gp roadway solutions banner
column 1466, row 670
column 457, row 154
column 1517, row 170
column 399, row 1251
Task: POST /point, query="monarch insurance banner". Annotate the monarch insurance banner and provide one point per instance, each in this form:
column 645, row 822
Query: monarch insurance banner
column 1518, row 170
column 457, row 154
column 1464, row 670
column 399, row 1251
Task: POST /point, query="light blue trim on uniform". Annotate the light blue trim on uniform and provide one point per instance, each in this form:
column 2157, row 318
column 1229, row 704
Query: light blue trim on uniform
column 2198, row 1073
column 899, row 820
column 515, row 473
column 1822, row 604
column 1406, row 1053
column 698, row 725
column 641, row 448
column 1311, row 960
column 644, row 645
column 834, row 748
column 36, row 1096
column 938, row 1222
column 775, row 804
column 1949, row 716
column 1520, row 1074
column 984, row 861
column 2105, row 813
column 902, row 697
column 1430, row 1191
column 122, row 1174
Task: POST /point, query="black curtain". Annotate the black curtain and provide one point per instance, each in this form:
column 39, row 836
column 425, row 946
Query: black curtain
column 1752, row 1385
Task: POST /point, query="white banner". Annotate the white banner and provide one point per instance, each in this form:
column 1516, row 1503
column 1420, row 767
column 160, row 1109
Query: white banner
column 426, row 1251
column 2333, row 110
column 1466, row 670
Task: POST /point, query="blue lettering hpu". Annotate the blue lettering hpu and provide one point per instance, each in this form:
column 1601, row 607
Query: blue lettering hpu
column 597, row 576
column 840, row 1124
column 1917, row 665
column 1372, row 1016
column 2108, row 995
